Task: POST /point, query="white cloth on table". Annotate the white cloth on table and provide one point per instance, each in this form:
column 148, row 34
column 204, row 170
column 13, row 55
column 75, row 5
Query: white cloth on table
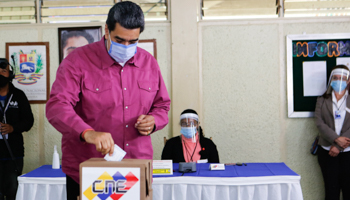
column 240, row 188
column 41, row 188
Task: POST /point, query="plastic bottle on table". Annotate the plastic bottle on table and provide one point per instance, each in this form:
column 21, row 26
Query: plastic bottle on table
column 55, row 159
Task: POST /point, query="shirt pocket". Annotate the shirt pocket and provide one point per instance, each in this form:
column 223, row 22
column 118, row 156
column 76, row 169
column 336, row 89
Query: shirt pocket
column 148, row 90
column 98, row 88
column 97, row 95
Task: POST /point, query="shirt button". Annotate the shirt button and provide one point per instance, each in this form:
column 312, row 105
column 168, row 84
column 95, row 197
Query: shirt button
column 97, row 89
column 126, row 107
column 149, row 88
column 127, row 144
column 124, row 88
column 126, row 126
column 122, row 70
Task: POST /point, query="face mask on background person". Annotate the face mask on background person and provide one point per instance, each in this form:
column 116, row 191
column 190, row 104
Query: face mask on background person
column 188, row 132
column 121, row 53
column 3, row 81
column 338, row 85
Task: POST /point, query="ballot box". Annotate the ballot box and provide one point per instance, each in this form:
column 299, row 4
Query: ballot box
column 126, row 179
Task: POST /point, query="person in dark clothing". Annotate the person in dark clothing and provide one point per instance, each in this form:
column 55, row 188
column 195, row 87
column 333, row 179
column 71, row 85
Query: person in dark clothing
column 191, row 145
column 15, row 117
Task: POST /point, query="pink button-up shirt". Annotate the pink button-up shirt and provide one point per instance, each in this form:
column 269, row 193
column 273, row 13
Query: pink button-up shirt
column 92, row 91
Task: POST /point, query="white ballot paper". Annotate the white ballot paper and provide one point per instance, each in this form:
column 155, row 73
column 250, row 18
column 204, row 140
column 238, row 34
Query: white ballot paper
column 118, row 154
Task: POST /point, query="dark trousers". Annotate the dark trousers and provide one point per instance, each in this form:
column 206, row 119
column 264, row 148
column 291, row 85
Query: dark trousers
column 336, row 174
column 8, row 178
column 73, row 188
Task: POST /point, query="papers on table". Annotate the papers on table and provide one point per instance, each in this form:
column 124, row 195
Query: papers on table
column 202, row 161
column 162, row 167
column 217, row 166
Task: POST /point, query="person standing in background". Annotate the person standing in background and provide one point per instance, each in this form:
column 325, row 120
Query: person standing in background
column 333, row 122
column 108, row 92
column 16, row 117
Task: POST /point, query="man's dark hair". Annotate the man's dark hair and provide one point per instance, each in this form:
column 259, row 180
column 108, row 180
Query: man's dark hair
column 70, row 34
column 128, row 14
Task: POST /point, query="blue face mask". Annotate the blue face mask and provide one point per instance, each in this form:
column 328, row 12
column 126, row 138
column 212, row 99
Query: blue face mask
column 188, row 132
column 338, row 86
column 120, row 52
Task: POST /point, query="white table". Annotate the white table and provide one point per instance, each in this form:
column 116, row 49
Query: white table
column 232, row 184
column 247, row 188
column 254, row 181
column 32, row 187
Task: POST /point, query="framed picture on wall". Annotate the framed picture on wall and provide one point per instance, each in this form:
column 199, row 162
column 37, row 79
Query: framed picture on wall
column 149, row 45
column 31, row 66
column 74, row 37
column 310, row 59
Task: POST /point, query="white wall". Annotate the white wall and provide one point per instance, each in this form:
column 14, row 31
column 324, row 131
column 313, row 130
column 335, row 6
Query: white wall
column 244, row 93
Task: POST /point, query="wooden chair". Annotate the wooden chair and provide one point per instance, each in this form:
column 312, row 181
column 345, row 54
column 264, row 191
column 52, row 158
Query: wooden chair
column 165, row 140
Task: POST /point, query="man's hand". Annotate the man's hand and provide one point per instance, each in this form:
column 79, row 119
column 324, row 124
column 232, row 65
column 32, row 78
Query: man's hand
column 102, row 140
column 343, row 141
column 6, row 128
column 145, row 124
column 334, row 151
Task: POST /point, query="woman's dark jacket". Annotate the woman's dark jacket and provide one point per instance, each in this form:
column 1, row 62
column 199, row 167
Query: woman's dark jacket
column 20, row 116
column 173, row 150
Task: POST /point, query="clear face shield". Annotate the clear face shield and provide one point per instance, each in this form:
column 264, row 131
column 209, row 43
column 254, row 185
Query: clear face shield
column 189, row 125
column 338, row 81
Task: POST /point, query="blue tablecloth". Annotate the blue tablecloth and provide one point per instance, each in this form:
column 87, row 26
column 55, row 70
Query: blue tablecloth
column 249, row 170
column 45, row 171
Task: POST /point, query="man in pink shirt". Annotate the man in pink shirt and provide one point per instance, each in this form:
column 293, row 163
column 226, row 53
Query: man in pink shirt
column 108, row 92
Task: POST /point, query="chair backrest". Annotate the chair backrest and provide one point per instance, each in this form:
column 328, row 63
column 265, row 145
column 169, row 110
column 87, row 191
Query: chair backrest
column 165, row 140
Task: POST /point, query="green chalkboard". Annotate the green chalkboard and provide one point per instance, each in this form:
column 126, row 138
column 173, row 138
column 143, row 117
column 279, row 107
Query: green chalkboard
column 305, row 48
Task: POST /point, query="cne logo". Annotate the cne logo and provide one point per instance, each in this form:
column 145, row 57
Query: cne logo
column 110, row 187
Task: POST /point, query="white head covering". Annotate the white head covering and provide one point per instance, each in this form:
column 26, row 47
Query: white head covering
column 189, row 115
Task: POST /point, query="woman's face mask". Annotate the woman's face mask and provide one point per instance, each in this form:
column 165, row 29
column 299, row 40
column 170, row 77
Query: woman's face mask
column 188, row 132
column 121, row 53
column 3, row 81
column 338, row 85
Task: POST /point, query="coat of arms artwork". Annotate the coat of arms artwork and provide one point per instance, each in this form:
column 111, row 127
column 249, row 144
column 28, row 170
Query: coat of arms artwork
column 30, row 63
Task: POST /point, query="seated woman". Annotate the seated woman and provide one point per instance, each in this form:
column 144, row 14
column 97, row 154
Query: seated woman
column 191, row 145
